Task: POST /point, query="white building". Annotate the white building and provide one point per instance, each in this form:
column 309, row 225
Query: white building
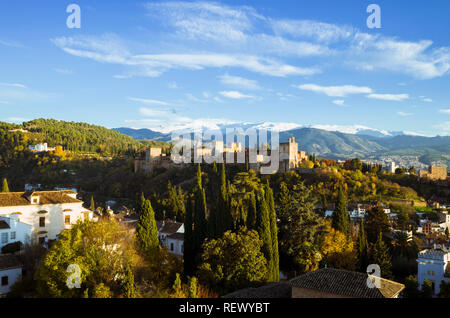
column 10, row 272
column 171, row 234
column 11, row 230
column 433, row 264
column 47, row 212
column 175, row 243
column 391, row 167
column 43, row 147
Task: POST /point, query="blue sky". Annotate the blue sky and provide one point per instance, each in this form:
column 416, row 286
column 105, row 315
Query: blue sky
column 169, row 65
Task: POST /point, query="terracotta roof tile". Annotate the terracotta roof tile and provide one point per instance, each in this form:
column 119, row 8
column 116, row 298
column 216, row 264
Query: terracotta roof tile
column 8, row 261
column 45, row 197
column 346, row 283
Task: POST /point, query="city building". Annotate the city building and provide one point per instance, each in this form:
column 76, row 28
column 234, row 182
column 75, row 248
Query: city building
column 47, row 212
column 391, row 167
column 433, row 264
column 175, row 243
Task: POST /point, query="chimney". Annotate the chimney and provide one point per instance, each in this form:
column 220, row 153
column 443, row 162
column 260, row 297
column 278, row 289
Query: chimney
column 293, row 139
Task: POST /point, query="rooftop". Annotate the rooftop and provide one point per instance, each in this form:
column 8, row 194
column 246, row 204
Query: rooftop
column 272, row 290
column 4, row 225
column 168, row 227
column 45, row 197
column 346, row 283
column 8, row 261
column 176, row 236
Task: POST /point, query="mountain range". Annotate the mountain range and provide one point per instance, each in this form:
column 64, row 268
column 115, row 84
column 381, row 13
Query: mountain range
column 329, row 142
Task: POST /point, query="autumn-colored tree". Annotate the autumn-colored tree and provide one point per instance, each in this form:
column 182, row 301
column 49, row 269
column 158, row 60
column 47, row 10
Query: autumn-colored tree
column 337, row 251
column 5, row 187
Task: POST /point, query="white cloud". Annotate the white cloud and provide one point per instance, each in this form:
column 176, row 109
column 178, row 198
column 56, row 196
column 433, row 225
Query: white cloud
column 235, row 95
column 4, row 102
column 149, row 112
column 172, row 85
column 426, row 99
column 153, row 65
column 389, row 97
column 445, row 111
column 403, row 114
column 336, row 91
column 148, row 101
column 322, row 32
column 339, row 102
column 239, row 82
column 13, row 85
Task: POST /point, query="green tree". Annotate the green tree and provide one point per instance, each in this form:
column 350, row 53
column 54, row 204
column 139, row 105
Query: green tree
column 274, row 234
column 193, row 288
column 363, row 249
column 178, row 288
column 380, row 256
column 92, row 205
column 444, row 290
column 128, row 284
column 147, row 231
column 263, row 228
column 411, row 287
column 233, row 262
column 189, row 243
column 427, row 289
column 102, row 250
column 340, row 219
column 200, row 222
column 5, row 187
column 376, row 221
column 251, row 215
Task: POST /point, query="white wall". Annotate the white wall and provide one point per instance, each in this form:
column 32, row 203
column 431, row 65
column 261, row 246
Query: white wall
column 54, row 218
column 13, row 275
column 177, row 246
column 22, row 230
column 433, row 270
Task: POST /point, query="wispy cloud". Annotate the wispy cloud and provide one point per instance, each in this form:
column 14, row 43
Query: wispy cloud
column 389, row 97
column 445, row 111
column 63, row 71
column 239, row 82
column 235, row 95
column 336, row 91
column 13, row 85
column 148, row 101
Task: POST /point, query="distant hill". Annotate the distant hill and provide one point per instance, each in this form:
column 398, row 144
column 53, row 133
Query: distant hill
column 142, row 134
column 77, row 137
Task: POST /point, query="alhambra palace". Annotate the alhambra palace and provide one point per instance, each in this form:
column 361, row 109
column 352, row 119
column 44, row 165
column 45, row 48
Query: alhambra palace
column 290, row 157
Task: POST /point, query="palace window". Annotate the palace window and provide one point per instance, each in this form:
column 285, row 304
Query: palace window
column 13, row 235
column 42, row 221
column 67, row 220
column 4, row 238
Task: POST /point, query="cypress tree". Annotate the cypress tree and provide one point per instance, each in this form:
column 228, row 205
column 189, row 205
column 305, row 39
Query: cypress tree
column 128, row 286
column 263, row 228
column 189, row 253
column 5, row 187
column 340, row 220
column 363, row 249
column 380, row 256
column 147, row 231
column 274, row 234
column 224, row 219
column 92, row 205
column 193, row 288
column 200, row 223
column 251, row 214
